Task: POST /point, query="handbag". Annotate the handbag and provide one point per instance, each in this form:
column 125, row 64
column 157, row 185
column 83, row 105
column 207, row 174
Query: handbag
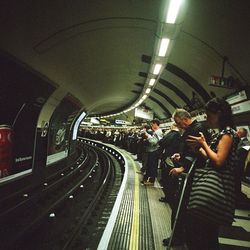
column 212, row 197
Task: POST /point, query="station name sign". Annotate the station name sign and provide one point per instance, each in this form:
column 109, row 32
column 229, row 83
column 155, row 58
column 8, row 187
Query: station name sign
column 122, row 122
column 237, row 97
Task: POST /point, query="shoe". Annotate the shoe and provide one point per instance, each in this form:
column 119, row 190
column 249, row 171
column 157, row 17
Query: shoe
column 175, row 242
column 163, row 199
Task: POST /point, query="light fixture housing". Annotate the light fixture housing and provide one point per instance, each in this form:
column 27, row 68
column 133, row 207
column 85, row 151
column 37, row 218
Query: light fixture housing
column 173, row 10
column 151, row 82
column 157, row 69
column 163, row 47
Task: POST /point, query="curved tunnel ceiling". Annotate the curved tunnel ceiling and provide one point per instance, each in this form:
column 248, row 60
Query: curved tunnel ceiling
column 93, row 49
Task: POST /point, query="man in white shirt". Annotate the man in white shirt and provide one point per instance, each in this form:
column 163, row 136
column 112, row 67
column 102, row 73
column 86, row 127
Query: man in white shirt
column 153, row 153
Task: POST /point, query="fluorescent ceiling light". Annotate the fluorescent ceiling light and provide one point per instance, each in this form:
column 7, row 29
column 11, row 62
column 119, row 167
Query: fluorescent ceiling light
column 148, row 90
column 144, row 97
column 157, row 69
column 151, row 82
column 173, row 10
column 163, row 47
column 138, row 103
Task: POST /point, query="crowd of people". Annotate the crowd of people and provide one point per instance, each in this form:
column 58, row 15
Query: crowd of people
column 212, row 153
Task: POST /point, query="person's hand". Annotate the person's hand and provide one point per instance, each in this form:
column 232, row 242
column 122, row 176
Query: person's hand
column 196, row 141
column 176, row 171
column 176, row 156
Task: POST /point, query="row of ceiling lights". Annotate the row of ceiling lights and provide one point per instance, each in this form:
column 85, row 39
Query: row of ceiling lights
column 160, row 58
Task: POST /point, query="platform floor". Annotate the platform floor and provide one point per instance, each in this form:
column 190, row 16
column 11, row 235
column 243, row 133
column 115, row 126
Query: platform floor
column 142, row 222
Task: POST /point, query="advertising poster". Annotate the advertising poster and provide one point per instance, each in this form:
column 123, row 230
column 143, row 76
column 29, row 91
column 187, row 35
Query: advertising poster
column 59, row 131
column 22, row 95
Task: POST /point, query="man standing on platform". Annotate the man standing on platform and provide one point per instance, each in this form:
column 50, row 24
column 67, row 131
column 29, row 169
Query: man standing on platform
column 184, row 160
column 169, row 144
column 153, row 152
column 242, row 134
column 242, row 150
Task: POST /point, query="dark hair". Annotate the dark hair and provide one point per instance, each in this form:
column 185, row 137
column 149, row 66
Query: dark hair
column 156, row 121
column 147, row 127
column 221, row 107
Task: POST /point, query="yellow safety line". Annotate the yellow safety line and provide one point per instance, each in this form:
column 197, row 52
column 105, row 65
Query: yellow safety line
column 134, row 239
